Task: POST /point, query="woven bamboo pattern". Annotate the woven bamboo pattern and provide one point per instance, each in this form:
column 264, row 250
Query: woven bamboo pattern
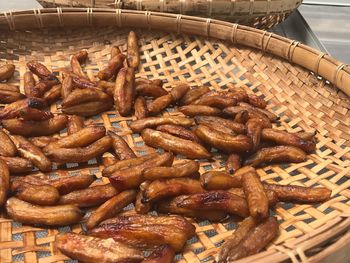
column 303, row 100
column 255, row 13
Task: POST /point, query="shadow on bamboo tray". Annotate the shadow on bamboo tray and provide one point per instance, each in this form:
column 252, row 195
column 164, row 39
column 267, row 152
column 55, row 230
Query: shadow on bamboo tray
column 308, row 90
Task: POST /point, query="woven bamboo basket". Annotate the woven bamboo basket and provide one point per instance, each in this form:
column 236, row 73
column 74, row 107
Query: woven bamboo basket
column 255, row 13
column 307, row 89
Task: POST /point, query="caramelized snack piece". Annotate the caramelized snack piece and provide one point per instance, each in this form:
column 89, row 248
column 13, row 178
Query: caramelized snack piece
column 9, row 96
column 53, row 94
column 286, row 138
column 150, row 90
column 7, row 147
column 231, row 242
column 14, row 109
column 140, row 207
column 89, row 197
column 146, row 231
column 299, row 194
column 223, row 141
column 216, row 180
column 110, row 208
column 114, row 65
column 254, row 128
column 195, row 110
column 159, row 104
column 162, row 254
column 183, row 169
column 160, row 189
column 277, row 154
column 257, row 101
column 120, row 146
column 38, row 194
column 255, row 240
column 6, row 71
column 107, row 87
column 41, row 87
column 29, row 83
column 60, row 215
column 88, row 109
column 29, row 151
column 82, row 138
column 30, row 114
column 157, row 82
column 81, row 154
column 139, row 125
column 40, row 128
column 170, row 206
column 4, row 182
column 140, row 106
column 133, row 56
column 115, row 51
column 222, row 124
column 124, row 92
column 179, row 91
column 75, row 124
column 233, row 163
column 252, row 112
column 255, row 194
column 272, row 117
column 75, row 61
column 216, row 101
column 80, row 96
column 307, row 136
column 82, row 82
column 17, row 165
column 41, row 71
column 127, row 164
column 241, row 117
column 179, row 131
column 174, row 144
column 92, row 249
column 42, row 141
column 109, row 160
column 9, row 87
column 67, row 86
column 193, row 94
column 220, row 200
column 132, row 177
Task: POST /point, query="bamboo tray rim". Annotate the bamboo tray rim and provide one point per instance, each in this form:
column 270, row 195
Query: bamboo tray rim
column 292, row 50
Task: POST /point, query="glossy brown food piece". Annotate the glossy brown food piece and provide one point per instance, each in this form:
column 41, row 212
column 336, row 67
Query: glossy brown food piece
column 107, row 87
column 271, row 116
column 157, row 82
column 59, row 215
column 133, row 56
column 255, row 240
column 93, row 249
column 9, row 96
column 41, row 88
column 253, row 112
column 120, row 146
column 232, row 241
column 169, row 206
column 124, row 93
column 150, row 90
column 80, row 96
column 183, row 169
column 299, row 194
column 110, row 208
column 119, row 165
column 216, row 101
column 6, row 71
column 38, row 128
column 221, row 124
column 41, row 71
column 81, row 56
column 217, row 200
column 29, row 83
column 174, row 144
column 42, row 141
column 33, row 153
column 14, row 109
column 88, row 109
column 233, row 163
column 307, row 136
column 109, row 160
column 30, row 114
column 286, row 138
column 216, row 180
column 140, row 207
column 146, row 231
column 255, row 194
column 162, row 254
column 7, row 147
column 277, row 154
column 89, row 197
column 193, row 94
column 179, row 131
column 150, row 122
column 75, row 124
column 223, row 141
column 80, row 154
column 195, row 110
column 130, row 178
column 254, row 128
column 257, row 101
column 114, row 65
column 179, row 90
column 9, row 87
column 82, row 138
column 115, row 51
column 160, row 189
column 4, row 182
column 38, row 194
column 140, row 107
column 241, row 117
column 17, row 165
column 159, row 104
column 67, row 86
column 82, row 82
column 53, row 94
column 239, row 93
column 75, row 63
